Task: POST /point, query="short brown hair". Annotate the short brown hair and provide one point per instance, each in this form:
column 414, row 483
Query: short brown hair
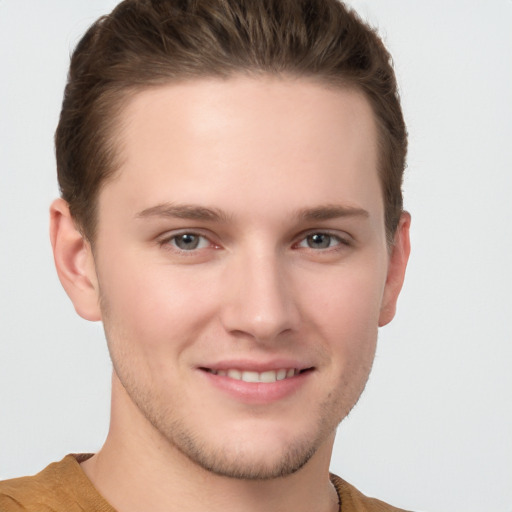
column 144, row 43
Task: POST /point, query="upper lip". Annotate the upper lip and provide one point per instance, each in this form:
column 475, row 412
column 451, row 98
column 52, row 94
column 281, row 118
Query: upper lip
column 256, row 366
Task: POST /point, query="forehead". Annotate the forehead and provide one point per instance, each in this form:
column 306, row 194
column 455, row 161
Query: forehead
column 242, row 141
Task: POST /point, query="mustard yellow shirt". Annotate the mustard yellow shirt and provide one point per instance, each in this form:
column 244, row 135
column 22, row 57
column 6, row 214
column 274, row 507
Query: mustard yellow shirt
column 64, row 487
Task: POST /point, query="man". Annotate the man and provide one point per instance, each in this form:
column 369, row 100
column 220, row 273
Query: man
column 231, row 211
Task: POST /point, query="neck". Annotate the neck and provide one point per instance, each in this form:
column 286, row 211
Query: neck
column 137, row 469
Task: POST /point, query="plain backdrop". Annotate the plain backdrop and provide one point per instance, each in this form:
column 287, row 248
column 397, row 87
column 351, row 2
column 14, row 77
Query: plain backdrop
column 433, row 430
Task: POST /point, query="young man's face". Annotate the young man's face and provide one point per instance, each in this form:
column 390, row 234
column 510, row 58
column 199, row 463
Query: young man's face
column 242, row 267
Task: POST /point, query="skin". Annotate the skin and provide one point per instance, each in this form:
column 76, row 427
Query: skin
column 276, row 182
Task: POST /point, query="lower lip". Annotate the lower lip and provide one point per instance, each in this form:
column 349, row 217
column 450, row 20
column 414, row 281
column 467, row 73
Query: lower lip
column 258, row 392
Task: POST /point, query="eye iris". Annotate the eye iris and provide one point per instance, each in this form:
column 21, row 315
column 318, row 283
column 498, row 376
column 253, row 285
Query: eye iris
column 319, row 241
column 187, row 241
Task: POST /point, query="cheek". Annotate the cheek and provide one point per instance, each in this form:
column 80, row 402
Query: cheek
column 344, row 308
column 347, row 293
column 152, row 309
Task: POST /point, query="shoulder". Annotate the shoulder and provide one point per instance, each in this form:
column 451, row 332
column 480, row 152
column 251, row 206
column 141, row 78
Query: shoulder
column 19, row 494
column 353, row 500
column 61, row 487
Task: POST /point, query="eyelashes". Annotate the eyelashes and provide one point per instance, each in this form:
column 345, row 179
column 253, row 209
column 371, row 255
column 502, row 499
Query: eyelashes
column 321, row 240
column 190, row 242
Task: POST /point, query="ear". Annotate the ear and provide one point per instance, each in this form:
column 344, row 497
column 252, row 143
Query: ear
column 396, row 269
column 74, row 262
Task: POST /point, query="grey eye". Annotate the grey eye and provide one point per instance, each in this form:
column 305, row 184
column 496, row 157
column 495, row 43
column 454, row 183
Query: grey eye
column 187, row 241
column 320, row 241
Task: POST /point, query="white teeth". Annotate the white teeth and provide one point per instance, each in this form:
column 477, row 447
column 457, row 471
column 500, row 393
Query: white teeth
column 235, row 374
column 250, row 376
column 270, row 376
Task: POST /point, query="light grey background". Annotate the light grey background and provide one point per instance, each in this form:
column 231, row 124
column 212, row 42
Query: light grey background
column 433, row 430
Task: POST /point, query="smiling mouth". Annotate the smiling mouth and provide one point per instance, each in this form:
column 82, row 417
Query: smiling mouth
column 266, row 377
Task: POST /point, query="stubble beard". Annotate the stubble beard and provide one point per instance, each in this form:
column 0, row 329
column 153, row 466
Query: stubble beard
column 235, row 461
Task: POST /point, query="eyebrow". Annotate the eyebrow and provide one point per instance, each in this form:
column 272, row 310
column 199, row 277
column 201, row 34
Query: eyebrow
column 184, row 211
column 195, row 212
column 331, row 212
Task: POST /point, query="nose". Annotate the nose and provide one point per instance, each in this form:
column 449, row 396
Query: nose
column 259, row 301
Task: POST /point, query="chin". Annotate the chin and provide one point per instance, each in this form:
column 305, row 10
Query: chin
column 244, row 460
column 257, row 448
column 241, row 444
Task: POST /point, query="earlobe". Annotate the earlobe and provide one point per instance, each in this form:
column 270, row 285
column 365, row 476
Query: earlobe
column 74, row 262
column 396, row 269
